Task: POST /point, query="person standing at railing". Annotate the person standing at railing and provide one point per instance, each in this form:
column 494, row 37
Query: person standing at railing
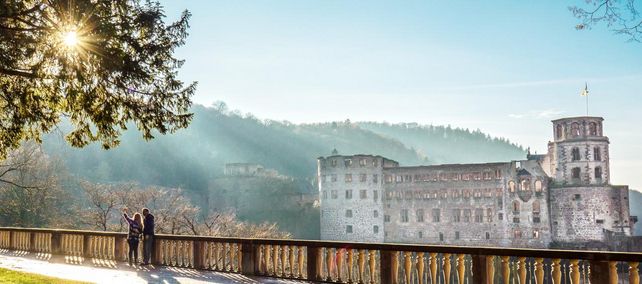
column 133, row 237
column 148, row 236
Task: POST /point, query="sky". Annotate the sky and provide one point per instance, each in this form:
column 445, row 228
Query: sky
column 507, row 68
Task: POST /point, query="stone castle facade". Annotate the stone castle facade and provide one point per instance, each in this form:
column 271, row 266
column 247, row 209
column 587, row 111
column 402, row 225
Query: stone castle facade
column 563, row 197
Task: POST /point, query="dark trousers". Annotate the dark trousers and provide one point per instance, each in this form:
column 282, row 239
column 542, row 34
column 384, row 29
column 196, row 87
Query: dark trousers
column 148, row 245
column 133, row 250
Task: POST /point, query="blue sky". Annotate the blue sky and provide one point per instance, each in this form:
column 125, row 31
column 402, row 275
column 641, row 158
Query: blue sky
column 506, row 67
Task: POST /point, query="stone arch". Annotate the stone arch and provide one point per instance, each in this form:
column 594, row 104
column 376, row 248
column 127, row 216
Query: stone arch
column 559, row 131
column 538, row 185
column 516, row 206
column 511, row 186
column 592, row 128
column 536, row 206
column 575, row 129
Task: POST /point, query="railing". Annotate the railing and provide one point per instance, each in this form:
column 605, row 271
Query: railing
column 341, row 262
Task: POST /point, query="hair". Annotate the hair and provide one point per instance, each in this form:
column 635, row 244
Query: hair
column 145, row 209
column 138, row 219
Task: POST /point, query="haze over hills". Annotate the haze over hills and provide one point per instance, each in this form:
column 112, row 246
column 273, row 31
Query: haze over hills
column 192, row 156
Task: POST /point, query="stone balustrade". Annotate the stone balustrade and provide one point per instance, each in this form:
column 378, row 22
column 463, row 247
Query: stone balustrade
column 342, row 262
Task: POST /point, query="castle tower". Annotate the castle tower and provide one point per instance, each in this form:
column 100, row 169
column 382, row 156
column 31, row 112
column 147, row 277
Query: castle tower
column 584, row 205
column 580, row 152
column 350, row 191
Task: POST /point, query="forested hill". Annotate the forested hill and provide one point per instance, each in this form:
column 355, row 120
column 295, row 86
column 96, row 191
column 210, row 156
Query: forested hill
column 192, row 157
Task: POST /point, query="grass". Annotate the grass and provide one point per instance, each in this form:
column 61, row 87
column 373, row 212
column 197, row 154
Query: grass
column 10, row 276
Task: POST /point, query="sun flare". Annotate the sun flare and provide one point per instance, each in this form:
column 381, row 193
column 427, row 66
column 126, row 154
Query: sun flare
column 70, row 38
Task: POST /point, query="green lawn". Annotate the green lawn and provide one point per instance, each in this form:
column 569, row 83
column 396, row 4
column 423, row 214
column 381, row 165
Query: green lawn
column 10, row 276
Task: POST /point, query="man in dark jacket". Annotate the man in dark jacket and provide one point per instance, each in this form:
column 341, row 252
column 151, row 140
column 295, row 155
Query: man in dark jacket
column 148, row 236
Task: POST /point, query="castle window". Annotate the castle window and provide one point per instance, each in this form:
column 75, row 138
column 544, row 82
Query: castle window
column 477, row 175
column 386, row 218
column 559, row 131
column 511, row 186
column 334, row 194
column 498, row 174
column 516, row 207
column 599, row 221
column 349, row 194
column 363, row 194
column 489, row 215
column 349, row 229
column 443, row 177
column 436, row 214
column 487, row 176
column 420, row 215
column 399, row 178
column 375, row 178
column 421, row 234
column 362, row 162
column 575, row 173
column 538, row 186
column 349, row 213
column 348, row 178
column 347, row 162
column 593, row 129
column 500, row 216
column 441, row 237
column 375, row 229
column 598, row 172
column 333, row 178
column 479, row 215
column 467, row 214
column 536, row 218
column 388, row 178
column 575, row 129
column 456, row 215
column 417, row 178
column 363, row 177
column 517, row 234
column 333, row 163
column 500, row 202
column 597, row 154
column 575, row 154
column 325, row 194
column 536, row 207
column 407, row 178
column 536, row 234
column 516, row 220
column 457, row 235
column 375, row 195
column 404, row 215
column 526, row 185
column 375, row 214
column 487, row 235
column 375, row 162
column 577, row 197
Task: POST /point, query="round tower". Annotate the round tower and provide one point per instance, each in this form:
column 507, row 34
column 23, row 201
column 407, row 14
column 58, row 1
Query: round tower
column 579, row 152
column 350, row 193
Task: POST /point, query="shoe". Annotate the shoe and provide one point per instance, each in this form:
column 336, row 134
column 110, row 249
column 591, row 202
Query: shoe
column 142, row 263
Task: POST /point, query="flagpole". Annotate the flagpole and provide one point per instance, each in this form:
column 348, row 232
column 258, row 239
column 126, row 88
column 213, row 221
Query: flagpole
column 587, row 105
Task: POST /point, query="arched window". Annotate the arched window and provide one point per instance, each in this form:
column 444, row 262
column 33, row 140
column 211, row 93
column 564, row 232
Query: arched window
column 526, row 185
column 597, row 154
column 575, row 173
column 538, row 186
column 598, row 172
column 511, row 186
column 575, row 129
column 593, row 129
column 575, row 154
column 559, row 131
column 536, row 207
column 515, row 206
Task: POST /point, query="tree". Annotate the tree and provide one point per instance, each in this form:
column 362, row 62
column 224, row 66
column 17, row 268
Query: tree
column 621, row 16
column 99, row 63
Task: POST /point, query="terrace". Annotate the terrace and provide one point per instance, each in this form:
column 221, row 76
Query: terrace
column 238, row 260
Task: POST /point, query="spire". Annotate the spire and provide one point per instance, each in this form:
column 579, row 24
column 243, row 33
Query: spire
column 335, row 152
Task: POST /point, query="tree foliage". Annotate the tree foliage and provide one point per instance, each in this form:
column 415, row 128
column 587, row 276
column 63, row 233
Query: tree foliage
column 621, row 16
column 100, row 63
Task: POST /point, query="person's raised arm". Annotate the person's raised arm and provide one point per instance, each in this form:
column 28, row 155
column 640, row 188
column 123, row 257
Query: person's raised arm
column 129, row 220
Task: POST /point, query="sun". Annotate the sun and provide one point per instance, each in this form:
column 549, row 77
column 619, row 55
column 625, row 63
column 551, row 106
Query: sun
column 70, row 38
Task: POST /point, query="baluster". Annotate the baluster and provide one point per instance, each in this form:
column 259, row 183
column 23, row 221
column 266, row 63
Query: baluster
column 490, row 268
column 395, row 266
column 461, row 268
column 267, row 252
column 291, row 261
column 361, row 263
column 275, row 259
column 521, row 262
column 634, row 276
column 339, row 255
column 407, row 258
column 328, row 260
column 539, row 270
column 557, row 273
column 447, row 268
column 284, row 253
column 575, row 271
column 233, row 257
column 433, row 267
column 505, row 268
column 350, row 264
column 613, row 277
column 239, row 258
column 420, row 267
column 301, row 260
column 372, row 260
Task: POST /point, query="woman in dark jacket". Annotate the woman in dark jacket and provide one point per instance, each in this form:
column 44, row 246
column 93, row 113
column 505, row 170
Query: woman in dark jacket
column 133, row 238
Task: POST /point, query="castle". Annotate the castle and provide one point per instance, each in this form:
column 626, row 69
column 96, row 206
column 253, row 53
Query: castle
column 561, row 199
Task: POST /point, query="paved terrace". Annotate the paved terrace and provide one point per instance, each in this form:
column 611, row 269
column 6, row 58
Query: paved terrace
column 99, row 256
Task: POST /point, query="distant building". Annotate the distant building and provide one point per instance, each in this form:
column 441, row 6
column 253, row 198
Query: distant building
column 249, row 170
column 563, row 197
